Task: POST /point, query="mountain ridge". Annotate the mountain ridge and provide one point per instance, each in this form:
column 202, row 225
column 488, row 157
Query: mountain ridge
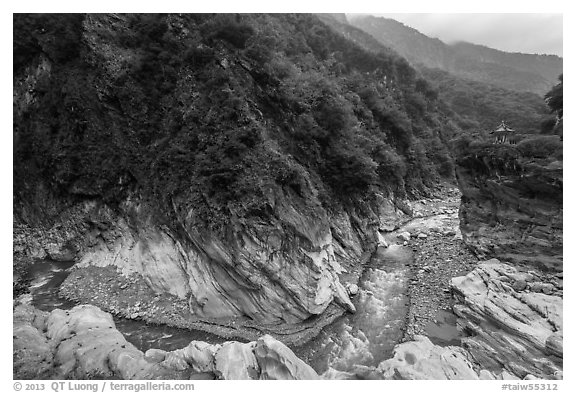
column 516, row 71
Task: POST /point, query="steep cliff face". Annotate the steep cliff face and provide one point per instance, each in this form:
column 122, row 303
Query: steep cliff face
column 512, row 205
column 511, row 307
column 281, row 270
column 230, row 161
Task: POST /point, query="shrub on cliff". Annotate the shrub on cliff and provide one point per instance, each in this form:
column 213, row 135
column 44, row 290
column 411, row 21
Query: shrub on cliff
column 481, row 105
column 216, row 110
column 541, row 146
column 57, row 36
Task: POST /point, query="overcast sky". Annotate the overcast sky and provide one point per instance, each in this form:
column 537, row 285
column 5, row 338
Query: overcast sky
column 526, row 33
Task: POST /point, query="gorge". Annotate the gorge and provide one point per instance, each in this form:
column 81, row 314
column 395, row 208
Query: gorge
column 259, row 197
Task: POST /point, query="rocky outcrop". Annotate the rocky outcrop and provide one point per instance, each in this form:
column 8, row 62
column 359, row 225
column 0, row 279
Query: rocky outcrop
column 421, row 359
column 283, row 270
column 511, row 206
column 280, row 270
column 83, row 343
column 511, row 323
column 512, row 209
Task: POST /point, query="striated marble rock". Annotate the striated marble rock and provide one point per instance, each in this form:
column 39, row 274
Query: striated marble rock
column 83, row 343
column 277, row 361
column 421, row 359
column 511, row 206
column 236, row 361
column 284, row 270
column 519, row 331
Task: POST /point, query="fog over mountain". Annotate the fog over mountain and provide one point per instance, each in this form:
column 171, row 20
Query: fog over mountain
column 525, row 33
column 513, row 71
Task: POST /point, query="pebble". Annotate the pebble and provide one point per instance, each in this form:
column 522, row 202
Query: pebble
column 519, row 285
column 352, row 289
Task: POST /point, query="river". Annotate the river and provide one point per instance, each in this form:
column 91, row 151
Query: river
column 366, row 337
column 45, row 278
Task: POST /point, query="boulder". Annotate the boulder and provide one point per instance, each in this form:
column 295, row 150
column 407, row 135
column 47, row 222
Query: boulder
column 236, row 361
column 404, row 236
column 277, row 361
column 353, row 289
column 83, row 343
column 200, row 355
column 421, row 359
column 381, row 240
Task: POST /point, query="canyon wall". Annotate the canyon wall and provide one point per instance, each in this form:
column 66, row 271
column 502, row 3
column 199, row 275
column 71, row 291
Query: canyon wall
column 511, row 307
column 512, row 206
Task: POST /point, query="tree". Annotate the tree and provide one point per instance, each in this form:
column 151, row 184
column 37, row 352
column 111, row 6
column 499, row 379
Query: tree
column 554, row 98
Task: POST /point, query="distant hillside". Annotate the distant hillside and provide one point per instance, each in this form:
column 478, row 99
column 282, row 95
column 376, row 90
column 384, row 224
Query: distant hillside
column 515, row 71
column 477, row 106
column 482, row 106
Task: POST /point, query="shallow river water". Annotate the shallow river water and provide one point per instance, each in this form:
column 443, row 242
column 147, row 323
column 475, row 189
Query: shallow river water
column 45, row 279
column 368, row 336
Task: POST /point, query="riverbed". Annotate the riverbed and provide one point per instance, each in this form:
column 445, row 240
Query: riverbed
column 45, row 277
column 364, row 338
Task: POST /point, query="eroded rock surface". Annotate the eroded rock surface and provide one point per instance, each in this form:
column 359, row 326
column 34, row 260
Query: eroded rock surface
column 512, row 206
column 281, row 271
column 512, row 326
column 420, row 359
column 83, row 343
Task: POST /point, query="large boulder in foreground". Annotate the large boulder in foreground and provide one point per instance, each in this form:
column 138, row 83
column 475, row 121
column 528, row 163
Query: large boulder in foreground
column 83, row 343
column 421, row 359
column 512, row 324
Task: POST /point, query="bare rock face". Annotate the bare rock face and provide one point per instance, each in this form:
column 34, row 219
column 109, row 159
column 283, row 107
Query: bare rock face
column 511, row 206
column 83, row 343
column 284, row 270
column 237, row 361
column 77, row 344
column 421, row 359
column 511, row 327
column 281, row 269
column 278, row 362
column 33, row 358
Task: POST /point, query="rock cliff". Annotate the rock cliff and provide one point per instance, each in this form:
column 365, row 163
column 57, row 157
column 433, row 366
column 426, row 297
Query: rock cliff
column 511, row 205
column 511, row 307
column 221, row 159
column 513, row 317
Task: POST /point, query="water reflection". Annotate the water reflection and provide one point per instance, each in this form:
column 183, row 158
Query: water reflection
column 45, row 278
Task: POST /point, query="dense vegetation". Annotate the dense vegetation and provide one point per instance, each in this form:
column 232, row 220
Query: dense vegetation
column 512, row 71
column 530, row 146
column 555, row 100
column 214, row 111
column 481, row 106
column 476, row 107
